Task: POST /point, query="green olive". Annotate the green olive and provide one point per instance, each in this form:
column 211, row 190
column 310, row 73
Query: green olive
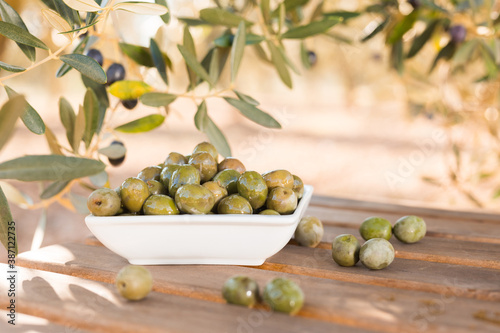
column 241, row 290
column 205, row 164
column 376, row 253
column 269, row 212
column 283, row 295
column 283, row 200
column 281, row 178
column 252, row 187
column 228, row 179
column 156, row 187
column 207, row 147
column 309, row 231
column 160, row 204
column 234, row 204
column 175, row 159
column 232, row 163
column 298, row 186
column 134, row 282
column 194, row 199
column 218, row 191
column 409, row 229
column 345, row 250
column 185, row 174
column 375, row 227
column 104, row 202
column 166, row 174
column 150, row 173
column 133, row 194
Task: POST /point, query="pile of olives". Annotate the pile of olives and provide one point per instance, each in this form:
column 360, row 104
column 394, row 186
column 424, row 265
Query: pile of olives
column 282, row 295
column 199, row 184
column 377, row 252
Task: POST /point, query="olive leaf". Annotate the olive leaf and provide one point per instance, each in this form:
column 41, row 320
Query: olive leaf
column 113, row 151
column 56, row 21
column 421, row 39
column 372, row 33
column 91, row 109
column 465, row 51
column 446, row 52
column 237, row 50
column 251, row 112
column 8, row 14
column 100, row 179
column 9, row 113
column 402, row 27
column 246, row 98
column 290, row 5
column 68, row 117
column 304, row 56
column 279, row 62
column 265, row 9
column 141, row 55
column 164, row 17
column 49, row 167
column 11, row 68
column 156, row 99
column 311, row 29
column 70, row 15
column 79, row 129
column 192, row 22
column 344, row 15
column 218, row 16
column 52, row 142
column 30, row 117
column 64, row 69
column 141, row 8
column 102, row 96
column 6, row 223
column 83, row 5
column 16, row 196
column 214, row 69
column 20, row 35
column 158, row 60
column 191, row 61
column 397, row 56
column 85, row 65
column 188, row 44
column 128, row 89
column 205, row 124
column 143, row 124
column 54, row 189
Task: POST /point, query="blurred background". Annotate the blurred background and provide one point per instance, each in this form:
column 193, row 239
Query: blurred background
column 348, row 125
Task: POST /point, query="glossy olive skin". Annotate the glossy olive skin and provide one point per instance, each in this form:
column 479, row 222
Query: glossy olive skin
column 298, row 186
column 175, row 158
column 218, row 191
column 228, row 179
column 376, row 253
column 133, row 194
column 409, row 229
column 252, row 187
column 134, row 282
column 345, row 250
column 194, row 199
column 283, row 200
column 241, row 290
column 185, row 174
column 160, row 204
column 309, row 231
column 206, row 147
column 281, row 178
column 206, row 164
column 166, row 174
column 231, row 163
column 104, row 202
column 234, row 204
column 375, row 227
column 269, row 212
column 156, row 187
column 150, row 173
column 283, row 295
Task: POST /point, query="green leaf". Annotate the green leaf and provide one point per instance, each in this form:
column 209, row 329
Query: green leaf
column 225, row 40
column 205, row 124
column 113, row 151
column 289, row 62
column 102, row 96
column 397, row 56
column 344, row 15
column 290, row 5
column 11, row 68
column 143, row 124
column 489, row 61
column 91, row 109
column 265, row 9
column 80, row 28
column 251, row 112
column 402, row 27
column 194, row 64
column 49, row 167
column 188, row 43
column 192, row 22
column 237, row 50
column 279, row 63
column 100, row 179
column 246, row 98
column 6, row 222
column 211, row 62
column 79, row 129
column 16, row 196
column 9, row 113
column 218, row 16
column 9, row 15
column 156, row 99
column 157, row 57
column 254, row 39
column 259, row 50
column 421, row 39
column 52, row 142
column 64, row 69
column 68, row 118
column 464, row 52
column 375, row 31
column 141, row 8
column 165, row 17
column 445, row 53
column 281, row 17
column 83, row 5
column 304, row 56
column 128, row 89
column 70, row 15
column 141, row 55
column 54, row 189
column 30, row 117
column 85, row 65
column 310, row 29
column 20, row 35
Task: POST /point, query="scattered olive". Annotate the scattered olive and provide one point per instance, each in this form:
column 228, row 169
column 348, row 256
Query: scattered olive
column 309, row 231
column 134, row 282
column 241, row 290
column 283, row 295
column 375, row 227
column 345, row 250
column 376, row 253
column 409, row 229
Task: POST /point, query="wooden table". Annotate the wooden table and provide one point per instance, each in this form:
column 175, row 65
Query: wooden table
column 448, row 282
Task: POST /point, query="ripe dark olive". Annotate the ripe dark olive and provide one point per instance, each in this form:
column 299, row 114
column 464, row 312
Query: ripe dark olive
column 115, row 72
column 96, row 55
column 415, row 3
column 457, row 33
column 119, row 160
column 129, row 103
column 312, row 58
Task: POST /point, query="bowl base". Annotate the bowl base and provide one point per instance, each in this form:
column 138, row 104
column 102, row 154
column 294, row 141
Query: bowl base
column 198, row 261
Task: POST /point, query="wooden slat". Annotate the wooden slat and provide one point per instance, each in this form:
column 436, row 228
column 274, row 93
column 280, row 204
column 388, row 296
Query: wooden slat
column 31, row 324
column 364, row 306
column 96, row 306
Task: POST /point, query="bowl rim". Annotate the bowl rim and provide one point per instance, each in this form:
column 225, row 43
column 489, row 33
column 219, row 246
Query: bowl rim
column 215, row 219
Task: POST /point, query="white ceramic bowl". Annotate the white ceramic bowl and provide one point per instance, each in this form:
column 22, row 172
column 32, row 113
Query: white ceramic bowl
column 197, row 239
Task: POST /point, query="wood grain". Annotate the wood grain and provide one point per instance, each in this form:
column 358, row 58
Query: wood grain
column 31, row 324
